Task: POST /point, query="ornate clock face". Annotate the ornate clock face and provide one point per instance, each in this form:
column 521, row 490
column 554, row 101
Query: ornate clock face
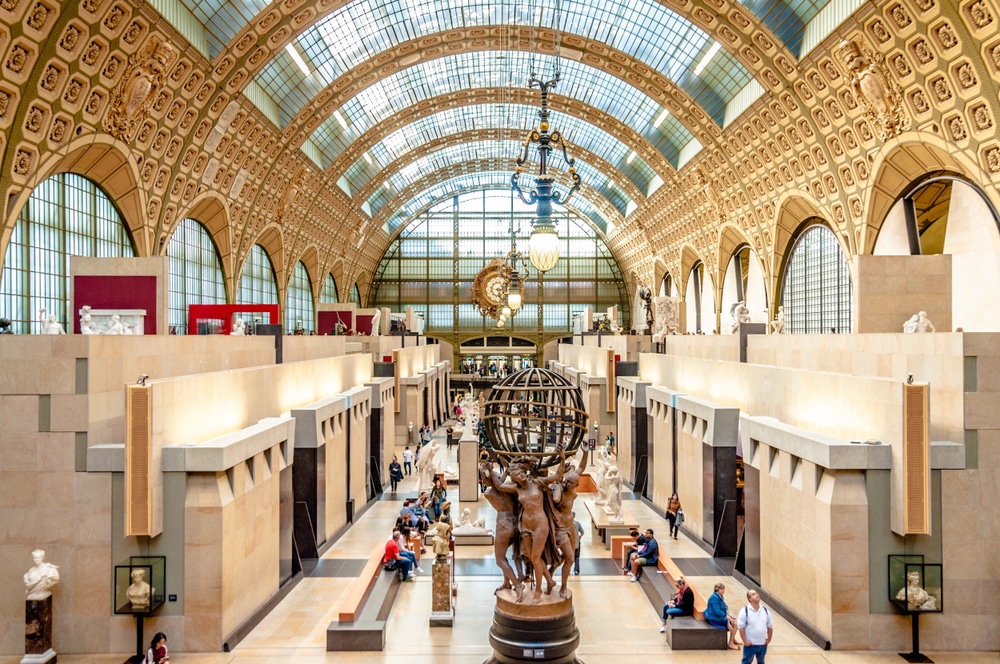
column 489, row 288
column 494, row 290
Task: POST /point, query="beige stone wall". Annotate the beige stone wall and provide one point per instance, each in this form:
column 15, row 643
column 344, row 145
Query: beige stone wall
column 934, row 358
column 690, row 432
column 300, row 349
column 336, row 475
column 623, row 432
column 231, row 549
column 359, row 457
column 709, row 346
column 153, row 266
column 588, row 360
column 662, row 468
column 888, row 290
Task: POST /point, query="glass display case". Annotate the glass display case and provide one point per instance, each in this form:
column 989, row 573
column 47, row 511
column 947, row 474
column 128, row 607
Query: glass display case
column 915, row 586
column 140, row 585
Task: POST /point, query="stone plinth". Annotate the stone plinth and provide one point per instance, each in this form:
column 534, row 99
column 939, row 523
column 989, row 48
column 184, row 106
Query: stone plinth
column 536, row 630
column 441, row 613
column 38, row 631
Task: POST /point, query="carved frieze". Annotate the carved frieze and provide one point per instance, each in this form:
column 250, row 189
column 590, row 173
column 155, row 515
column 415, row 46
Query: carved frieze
column 131, row 98
column 881, row 98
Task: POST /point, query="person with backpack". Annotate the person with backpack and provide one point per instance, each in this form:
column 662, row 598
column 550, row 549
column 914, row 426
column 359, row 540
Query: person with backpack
column 756, row 629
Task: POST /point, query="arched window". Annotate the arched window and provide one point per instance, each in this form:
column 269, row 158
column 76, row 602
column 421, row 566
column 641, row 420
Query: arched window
column 66, row 215
column 195, row 272
column 300, row 313
column 356, row 295
column 816, row 286
column 744, row 282
column 693, row 297
column 257, row 282
column 329, row 294
column 666, row 286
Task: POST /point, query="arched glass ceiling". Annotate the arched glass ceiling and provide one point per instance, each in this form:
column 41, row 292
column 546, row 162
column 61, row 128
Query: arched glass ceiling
column 489, row 149
column 787, row 19
column 484, row 180
column 645, row 30
column 449, row 74
column 490, row 116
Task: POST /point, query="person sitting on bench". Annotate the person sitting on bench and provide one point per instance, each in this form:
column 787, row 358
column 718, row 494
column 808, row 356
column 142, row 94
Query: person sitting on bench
column 682, row 605
column 648, row 554
column 638, row 539
column 717, row 614
column 393, row 559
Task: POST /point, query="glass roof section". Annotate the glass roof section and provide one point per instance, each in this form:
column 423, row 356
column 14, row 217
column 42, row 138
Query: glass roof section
column 426, row 80
column 492, row 149
column 223, row 19
column 787, row 19
column 645, row 30
column 484, row 180
column 489, row 116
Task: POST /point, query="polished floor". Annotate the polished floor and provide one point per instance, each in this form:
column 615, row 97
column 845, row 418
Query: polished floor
column 617, row 623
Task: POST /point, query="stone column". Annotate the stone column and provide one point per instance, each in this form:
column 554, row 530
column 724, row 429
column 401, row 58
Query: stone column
column 38, row 631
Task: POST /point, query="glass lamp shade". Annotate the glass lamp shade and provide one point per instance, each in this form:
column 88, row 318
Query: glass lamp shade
column 499, row 323
column 506, row 310
column 514, row 301
column 543, row 249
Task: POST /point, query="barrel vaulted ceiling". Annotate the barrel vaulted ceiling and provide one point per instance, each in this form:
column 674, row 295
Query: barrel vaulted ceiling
column 322, row 127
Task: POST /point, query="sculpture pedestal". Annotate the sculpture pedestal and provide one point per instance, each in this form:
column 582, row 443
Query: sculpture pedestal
column 468, row 469
column 525, row 632
column 38, row 631
column 441, row 612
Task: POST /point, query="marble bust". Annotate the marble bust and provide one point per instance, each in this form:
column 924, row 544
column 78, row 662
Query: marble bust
column 39, row 580
column 139, row 591
column 917, row 599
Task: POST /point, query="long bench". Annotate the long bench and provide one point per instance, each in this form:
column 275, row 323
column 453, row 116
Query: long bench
column 686, row 633
column 363, row 613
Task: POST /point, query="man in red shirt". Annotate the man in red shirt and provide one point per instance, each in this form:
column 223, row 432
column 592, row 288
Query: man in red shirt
column 393, row 560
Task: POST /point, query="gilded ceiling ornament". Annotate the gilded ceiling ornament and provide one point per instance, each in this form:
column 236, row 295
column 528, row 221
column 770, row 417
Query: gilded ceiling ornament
column 131, row 98
column 882, row 99
column 709, row 188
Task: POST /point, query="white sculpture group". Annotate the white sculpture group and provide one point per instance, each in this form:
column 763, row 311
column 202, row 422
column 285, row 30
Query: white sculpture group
column 740, row 314
column 918, row 323
column 105, row 322
column 609, row 486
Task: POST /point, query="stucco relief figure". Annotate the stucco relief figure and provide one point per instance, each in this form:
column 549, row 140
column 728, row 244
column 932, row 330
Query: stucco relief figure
column 49, row 323
column 917, row 599
column 139, row 591
column 376, row 322
column 778, row 324
column 86, row 324
column 239, row 328
column 39, row 580
column 740, row 315
column 881, row 98
column 134, row 94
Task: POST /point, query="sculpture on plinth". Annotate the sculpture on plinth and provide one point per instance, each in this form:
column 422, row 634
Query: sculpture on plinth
column 533, row 493
column 466, row 522
column 666, row 317
column 427, row 466
column 740, row 315
column 86, row 322
column 376, row 323
column 613, row 506
column 239, row 328
column 38, row 581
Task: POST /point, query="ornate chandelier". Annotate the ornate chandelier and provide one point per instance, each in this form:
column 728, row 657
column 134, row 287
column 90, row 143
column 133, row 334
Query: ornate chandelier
column 543, row 248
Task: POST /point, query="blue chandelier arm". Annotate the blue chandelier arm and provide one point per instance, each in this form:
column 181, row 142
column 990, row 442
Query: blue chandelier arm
column 558, row 140
column 520, row 194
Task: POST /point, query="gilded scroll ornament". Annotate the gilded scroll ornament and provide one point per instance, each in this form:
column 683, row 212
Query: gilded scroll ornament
column 881, row 98
column 132, row 97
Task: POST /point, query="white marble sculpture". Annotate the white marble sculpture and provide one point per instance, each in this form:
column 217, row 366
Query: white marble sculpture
column 602, row 462
column 49, row 324
column 666, row 323
column 613, row 506
column 239, row 328
column 427, row 466
column 465, row 525
column 376, row 322
column 917, row 599
column 39, row 580
column 740, row 315
column 641, row 314
column 86, row 321
column 910, row 325
column 778, row 324
column 469, row 411
column 139, row 591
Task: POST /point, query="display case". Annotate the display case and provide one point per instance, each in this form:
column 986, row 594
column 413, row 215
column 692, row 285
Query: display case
column 915, row 586
column 140, row 585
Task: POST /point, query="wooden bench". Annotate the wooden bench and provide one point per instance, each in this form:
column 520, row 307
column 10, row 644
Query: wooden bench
column 684, row 633
column 363, row 613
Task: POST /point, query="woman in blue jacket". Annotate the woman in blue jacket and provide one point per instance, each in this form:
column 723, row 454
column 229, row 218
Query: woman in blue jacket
column 717, row 614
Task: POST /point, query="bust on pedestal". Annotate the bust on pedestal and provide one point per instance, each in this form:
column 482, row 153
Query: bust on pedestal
column 38, row 583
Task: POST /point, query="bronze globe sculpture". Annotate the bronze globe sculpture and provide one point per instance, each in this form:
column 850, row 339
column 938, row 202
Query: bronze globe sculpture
column 536, row 422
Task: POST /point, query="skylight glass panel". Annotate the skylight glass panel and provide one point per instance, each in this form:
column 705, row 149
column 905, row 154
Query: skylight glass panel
column 647, row 31
column 787, row 19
